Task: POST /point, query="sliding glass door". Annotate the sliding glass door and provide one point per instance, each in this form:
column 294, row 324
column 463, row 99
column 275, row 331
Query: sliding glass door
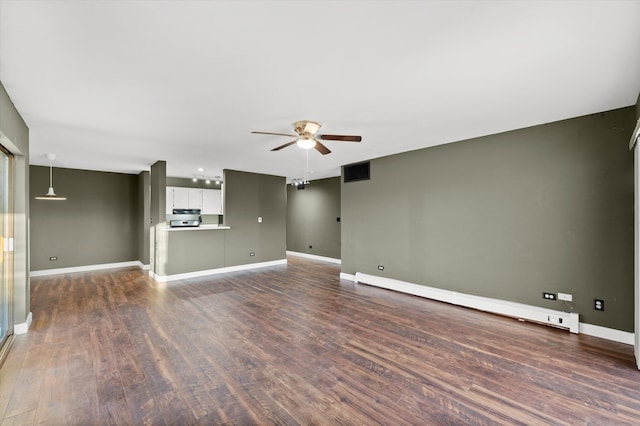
column 6, row 260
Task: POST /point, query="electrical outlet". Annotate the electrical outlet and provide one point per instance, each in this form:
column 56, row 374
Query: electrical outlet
column 380, row 268
column 565, row 296
column 554, row 319
column 310, row 246
column 598, row 304
column 53, row 258
column 549, row 296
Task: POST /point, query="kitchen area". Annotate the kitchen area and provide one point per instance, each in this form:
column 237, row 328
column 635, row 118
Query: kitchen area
column 193, row 207
column 194, row 219
column 125, row 220
column 236, row 225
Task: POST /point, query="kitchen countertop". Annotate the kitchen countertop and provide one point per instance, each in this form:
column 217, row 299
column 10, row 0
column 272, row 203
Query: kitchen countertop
column 198, row 228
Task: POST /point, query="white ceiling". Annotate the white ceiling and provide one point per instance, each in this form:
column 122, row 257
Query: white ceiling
column 117, row 85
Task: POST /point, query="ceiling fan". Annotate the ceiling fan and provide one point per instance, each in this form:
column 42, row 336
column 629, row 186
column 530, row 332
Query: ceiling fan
column 307, row 138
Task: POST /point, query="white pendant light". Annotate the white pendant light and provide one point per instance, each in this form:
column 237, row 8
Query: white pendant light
column 51, row 195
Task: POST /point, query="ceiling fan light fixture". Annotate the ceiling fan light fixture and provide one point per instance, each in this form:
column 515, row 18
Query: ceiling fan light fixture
column 51, row 195
column 305, row 142
column 307, row 137
column 306, row 127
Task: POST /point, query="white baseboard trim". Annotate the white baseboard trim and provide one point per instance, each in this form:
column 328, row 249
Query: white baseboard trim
column 568, row 320
column 349, row 277
column 23, row 327
column 315, row 257
column 496, row 306
column 607, row 333
column 197, row 274
column 87, row 268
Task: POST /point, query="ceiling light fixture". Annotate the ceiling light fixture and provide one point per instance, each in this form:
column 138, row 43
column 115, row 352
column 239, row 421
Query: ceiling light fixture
column 51, row 195
column 306, row 142
column 207, row 179
column 299, row 183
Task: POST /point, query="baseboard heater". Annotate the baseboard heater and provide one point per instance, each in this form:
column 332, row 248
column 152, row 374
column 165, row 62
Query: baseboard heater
column 567, row 320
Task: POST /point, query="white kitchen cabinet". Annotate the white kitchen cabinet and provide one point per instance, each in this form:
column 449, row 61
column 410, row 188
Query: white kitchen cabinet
column 169, row 200
column 183, row 198
column 211, row 201
column 180, row 198
column 195, row 198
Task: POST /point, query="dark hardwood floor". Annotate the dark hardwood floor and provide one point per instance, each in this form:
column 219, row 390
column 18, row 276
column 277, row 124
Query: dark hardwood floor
column 296, row 345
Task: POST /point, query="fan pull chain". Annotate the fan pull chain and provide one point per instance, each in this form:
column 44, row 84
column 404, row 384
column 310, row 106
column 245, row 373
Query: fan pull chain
column 306, row 172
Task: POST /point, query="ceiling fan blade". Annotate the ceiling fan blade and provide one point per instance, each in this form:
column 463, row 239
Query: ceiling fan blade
column 278, row 148
column 321, row 148
column 342, row 138
column 277, row 134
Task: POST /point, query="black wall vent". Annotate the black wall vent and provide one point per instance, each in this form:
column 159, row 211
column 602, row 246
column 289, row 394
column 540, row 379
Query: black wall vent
column 356, row 172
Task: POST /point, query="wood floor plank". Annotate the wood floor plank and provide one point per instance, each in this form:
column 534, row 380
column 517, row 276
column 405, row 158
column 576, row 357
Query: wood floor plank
column 295, row 344
column 83, row 393
column 27, row 418
column 53, row 399
column 9, row 373
column 26, row 392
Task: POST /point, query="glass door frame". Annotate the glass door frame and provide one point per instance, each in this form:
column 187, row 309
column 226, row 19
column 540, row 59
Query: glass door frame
column 6, row 249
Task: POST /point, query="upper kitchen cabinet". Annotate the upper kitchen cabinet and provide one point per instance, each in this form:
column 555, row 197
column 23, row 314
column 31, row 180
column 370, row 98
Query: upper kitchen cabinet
column 180, row 198
column 183, row 198
column 209, row 201
column 169, row 200
column 194, row 198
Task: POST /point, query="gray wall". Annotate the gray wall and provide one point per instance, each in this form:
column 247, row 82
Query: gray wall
column 144, row 217
column 17, row 133
column 507, row 216
column 97, row 224
column 158, row 218
column 311, row 218
column 190, row 251
column 247, row 196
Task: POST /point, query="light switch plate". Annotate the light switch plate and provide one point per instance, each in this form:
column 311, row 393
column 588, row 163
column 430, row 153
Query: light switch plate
column 566, row 297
